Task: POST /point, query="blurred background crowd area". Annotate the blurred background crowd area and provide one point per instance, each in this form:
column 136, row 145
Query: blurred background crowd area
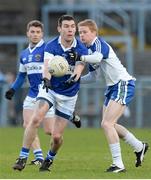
column 125, row 24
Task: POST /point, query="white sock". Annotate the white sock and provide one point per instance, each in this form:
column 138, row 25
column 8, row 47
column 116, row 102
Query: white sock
column 136, row 144
column 38, row 154
column 116, row 155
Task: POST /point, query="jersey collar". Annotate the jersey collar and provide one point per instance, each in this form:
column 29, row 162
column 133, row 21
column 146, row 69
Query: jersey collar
column 93, row 41
column 72, row 45
column 37, row 45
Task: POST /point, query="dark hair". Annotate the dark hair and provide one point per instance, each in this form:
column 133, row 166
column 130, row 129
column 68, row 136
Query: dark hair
column 65, row 17
column 35, row 23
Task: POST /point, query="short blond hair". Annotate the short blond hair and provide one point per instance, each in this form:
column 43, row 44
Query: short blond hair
column 89, row 23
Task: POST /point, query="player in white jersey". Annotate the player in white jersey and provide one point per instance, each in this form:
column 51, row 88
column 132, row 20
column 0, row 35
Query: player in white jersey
column 31, row 65
column 59, row 93
column 119, row 92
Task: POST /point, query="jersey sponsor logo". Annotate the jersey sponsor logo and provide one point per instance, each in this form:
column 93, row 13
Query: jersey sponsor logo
column 34, row 67
column 37, row 57
column 29, row 68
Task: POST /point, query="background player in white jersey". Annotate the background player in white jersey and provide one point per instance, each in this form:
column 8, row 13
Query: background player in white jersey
column 60, row 93
column 31, row 65
column 119, row 92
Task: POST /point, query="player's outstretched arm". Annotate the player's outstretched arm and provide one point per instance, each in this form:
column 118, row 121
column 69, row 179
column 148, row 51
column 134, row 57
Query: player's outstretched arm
column 96, row 57
column 76, row 74
column 16, row 85
column 78, row 70
column 46, row 75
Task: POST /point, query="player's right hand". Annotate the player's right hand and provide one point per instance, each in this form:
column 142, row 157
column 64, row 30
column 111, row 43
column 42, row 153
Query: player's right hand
column 9, row 94
column 71, row 80
column 46, row 84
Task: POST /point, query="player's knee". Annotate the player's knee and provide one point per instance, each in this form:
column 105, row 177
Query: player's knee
column 36, row 120
column 57, row 138
column 25, row 124
column 48, row 132
column 47, row 129
column 105, row 124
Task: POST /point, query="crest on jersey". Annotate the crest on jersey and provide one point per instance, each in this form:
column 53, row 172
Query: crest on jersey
column 37, row 57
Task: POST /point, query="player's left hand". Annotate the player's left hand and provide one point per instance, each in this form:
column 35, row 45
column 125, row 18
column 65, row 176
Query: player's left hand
column 73, row 55
column 9, row 94
column 71, row 80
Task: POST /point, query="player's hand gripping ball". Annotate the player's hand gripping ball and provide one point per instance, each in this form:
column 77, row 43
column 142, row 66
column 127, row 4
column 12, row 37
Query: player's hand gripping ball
column 58, row 66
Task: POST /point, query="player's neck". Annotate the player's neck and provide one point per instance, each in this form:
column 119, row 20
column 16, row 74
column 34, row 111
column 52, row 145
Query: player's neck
column 66, row 44
column 32, row 45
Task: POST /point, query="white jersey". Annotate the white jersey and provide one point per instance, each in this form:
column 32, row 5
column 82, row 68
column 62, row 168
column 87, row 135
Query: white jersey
column 109, row 63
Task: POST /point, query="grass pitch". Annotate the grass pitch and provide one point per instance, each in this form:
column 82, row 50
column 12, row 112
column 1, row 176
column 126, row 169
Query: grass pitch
column 84, row 155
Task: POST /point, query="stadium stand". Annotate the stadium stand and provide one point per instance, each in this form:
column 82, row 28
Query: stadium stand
column 129, row 20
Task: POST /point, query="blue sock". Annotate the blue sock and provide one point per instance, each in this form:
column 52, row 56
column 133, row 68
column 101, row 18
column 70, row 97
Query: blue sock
column 50, row 155
column 24, row 153
column 38, row 154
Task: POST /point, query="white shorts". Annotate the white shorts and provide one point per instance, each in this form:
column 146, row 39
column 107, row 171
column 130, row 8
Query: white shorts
column 29, row 103
column 64, row 105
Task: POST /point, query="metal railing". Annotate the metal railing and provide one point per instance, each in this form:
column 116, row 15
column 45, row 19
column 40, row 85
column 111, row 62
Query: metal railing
column 132, row 13
column 89, row 105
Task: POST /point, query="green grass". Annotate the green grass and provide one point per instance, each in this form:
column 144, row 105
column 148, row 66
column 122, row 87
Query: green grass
column 84, row 155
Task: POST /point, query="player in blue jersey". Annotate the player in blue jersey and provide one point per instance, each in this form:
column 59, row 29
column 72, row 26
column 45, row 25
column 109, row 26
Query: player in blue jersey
column 31, row 65
column 119, row 92
column 58, row 93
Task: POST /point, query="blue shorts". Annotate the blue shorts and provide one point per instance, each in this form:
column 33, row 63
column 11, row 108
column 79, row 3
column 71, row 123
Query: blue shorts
column 122, row 92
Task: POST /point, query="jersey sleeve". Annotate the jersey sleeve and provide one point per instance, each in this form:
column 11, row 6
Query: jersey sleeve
column 48, row 55
column 49, row 51
column 50, row 47
column 96, row 57
column 20, row 79
column 22, row 67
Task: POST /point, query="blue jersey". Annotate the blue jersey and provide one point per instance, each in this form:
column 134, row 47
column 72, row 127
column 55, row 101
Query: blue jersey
column 31, row 65
column 54, row 47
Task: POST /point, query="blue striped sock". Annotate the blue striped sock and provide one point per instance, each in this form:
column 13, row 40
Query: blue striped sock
column 50, row 155
column 38, row 154
column 24, row 153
